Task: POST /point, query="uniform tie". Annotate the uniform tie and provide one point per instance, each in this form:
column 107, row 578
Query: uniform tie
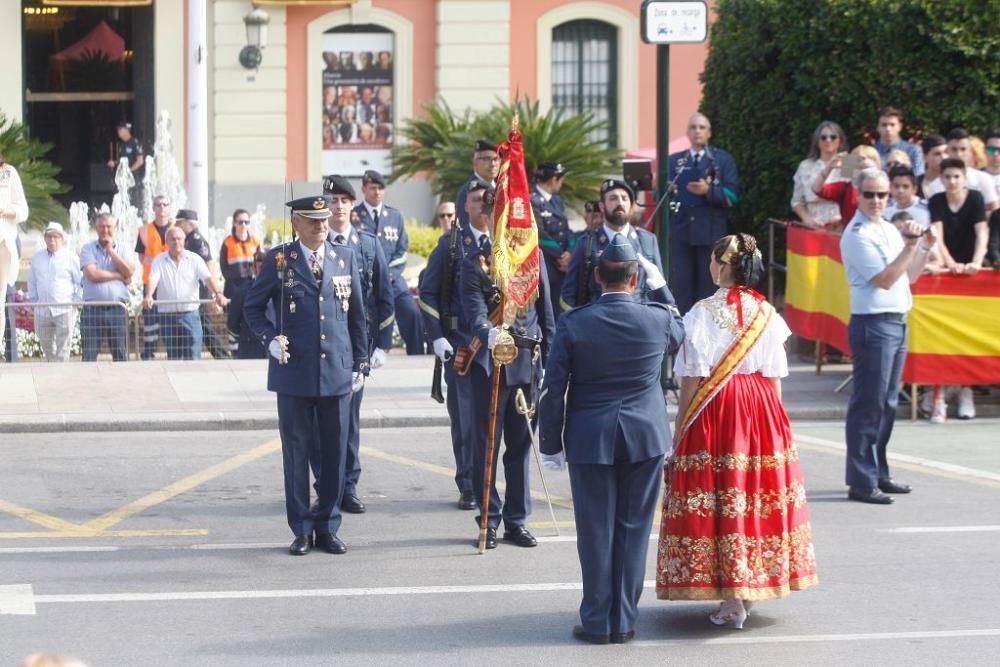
column 485, row 246
column 316, row 265
column 375, row 217
column 694, row 162
column 339, row 240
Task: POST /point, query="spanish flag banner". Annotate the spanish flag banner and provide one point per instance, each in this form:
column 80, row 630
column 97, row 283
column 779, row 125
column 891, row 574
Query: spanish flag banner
column 952, row 326
column 516, row 267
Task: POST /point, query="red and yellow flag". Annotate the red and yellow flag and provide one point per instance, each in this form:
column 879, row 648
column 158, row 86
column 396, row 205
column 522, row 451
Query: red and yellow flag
column 516, row 268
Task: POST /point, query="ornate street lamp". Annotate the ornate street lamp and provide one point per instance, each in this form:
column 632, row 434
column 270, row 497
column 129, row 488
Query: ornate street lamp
column 256, row 22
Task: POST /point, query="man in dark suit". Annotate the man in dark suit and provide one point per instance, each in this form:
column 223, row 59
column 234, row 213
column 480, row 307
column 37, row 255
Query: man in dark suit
column 485, row 167
column 532, row 332
column 379, row 317
column 706, row 186
column 602, row 411
column 554, row 235
column 617, row 201
column 386, row 223
column 319, row 357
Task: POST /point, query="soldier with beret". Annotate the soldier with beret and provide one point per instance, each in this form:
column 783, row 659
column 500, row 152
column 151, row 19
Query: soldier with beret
column 616, row 204
column 485, row 167
column 319, row 356
column 532, row 331
column 378, row 300
column 554, row 235
column 386, row 223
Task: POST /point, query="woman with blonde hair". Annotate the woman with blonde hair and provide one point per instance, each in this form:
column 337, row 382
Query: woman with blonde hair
column 13, row 210
column 841, row 191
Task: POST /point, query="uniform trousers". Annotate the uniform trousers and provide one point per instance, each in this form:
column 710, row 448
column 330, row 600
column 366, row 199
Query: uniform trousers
column 878, row 348
column 55, row 333
column 304, row 421
column 613, row 506
column 517, row 449
column 352, row 460
column 410, row 327
column 460, row 402
column 690, row 279
column 556, row 280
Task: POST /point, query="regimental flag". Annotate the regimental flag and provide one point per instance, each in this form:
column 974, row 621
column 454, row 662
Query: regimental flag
column 516, row 267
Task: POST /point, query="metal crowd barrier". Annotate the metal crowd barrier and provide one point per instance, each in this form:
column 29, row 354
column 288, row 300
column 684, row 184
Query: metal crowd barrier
column 172, row 329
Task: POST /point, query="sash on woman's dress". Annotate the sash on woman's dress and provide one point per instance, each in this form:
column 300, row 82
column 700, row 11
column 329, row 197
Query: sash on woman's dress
column 746, row 338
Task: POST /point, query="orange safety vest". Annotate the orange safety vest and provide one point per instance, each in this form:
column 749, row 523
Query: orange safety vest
column 240, row 254
column 154, row 247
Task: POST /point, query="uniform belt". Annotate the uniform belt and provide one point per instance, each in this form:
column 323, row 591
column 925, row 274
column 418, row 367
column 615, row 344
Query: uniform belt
column 887, row 317
column 524, row 341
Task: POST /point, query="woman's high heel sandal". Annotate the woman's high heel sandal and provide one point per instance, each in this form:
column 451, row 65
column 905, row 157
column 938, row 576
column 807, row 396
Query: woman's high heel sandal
column 730, row 612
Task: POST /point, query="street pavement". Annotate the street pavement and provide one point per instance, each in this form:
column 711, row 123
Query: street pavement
column 169, row 548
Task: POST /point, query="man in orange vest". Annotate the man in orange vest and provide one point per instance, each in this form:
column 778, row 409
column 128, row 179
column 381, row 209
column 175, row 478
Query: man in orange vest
column 152, row 241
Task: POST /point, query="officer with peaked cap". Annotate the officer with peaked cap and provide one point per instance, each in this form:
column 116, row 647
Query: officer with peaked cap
column 378, row 300
column 554, row 236
column 617, row 201
column 386, row 223
column 318, row 351
column 612, row 431
column 485, row 167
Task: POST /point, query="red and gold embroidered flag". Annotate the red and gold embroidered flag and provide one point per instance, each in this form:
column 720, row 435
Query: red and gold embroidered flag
column 516, row 265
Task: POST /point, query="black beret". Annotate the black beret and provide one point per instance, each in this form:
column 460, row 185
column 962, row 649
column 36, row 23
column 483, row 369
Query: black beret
column 316, row 207
column 186, row 214
column 372, row 176
column 338, row 185
column 483, row 145
column 615, row 184
column 548, row 169
column 619, row 250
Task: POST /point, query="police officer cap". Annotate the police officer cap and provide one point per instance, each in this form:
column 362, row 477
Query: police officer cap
column 316, row 207
column 615, row 184
column 619, row 250
column 372, row 176
column 483, row 145
column 187, row 214
column 548, row 169
column 477, row 185
column 338, row 185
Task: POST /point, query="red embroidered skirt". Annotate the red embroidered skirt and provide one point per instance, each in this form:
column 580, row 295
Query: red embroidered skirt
column 735, row 523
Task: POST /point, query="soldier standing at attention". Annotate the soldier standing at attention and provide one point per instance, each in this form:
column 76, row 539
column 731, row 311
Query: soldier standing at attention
column 554, row 236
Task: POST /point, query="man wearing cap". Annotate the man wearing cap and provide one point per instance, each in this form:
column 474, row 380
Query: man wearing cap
column 319, row 356
column 106, row 276
column 616, row 203
column 54, row 277
column 602, row 410
column 485, row 167
column 386, row 223
column 449, row 332
column 706, row 186
column 379, row 316
column 554, row 236
column 187, row 219
column 128, row 147
column 532, row 332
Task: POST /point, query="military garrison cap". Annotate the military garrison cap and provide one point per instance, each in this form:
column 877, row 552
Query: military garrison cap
column 372, row 176
column 615, row 184
column 316, row 207
column 619, row 250
column 338, row 185
column 483, row 145
column 548, row 169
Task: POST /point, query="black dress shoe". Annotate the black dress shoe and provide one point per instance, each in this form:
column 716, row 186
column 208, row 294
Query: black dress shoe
column 622, row 637
column 889, row 486
column 352, row 504
column 300, row 546
column 330, row 543
column 491, row 538
column 589, row 637
column 520, row 536
column 871, row 496
column 467, row 501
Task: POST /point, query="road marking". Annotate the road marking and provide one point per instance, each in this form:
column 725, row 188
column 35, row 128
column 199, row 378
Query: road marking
column 17, row 600
column 572, row 538
column 916, row 463
column 191, row 481
column 40, row 518
column 942, row 529
column 552, row 524
column 853, row 637
column 153, row 532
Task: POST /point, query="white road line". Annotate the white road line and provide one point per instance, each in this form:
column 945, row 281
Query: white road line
column 53, row 550
column 906, row 458
column 860, row 636
column 572, row 538
column 942, row 529
column 17, row 600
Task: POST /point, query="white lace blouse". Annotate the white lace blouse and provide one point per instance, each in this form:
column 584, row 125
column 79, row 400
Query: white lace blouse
column 710, row 328
column 823, row 210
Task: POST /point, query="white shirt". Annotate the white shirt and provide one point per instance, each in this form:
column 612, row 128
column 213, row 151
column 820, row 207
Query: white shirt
column 12, row 196
column 178, row 281
column 373, row 210
column 546, row 196
column 321, row 251
column 974, row 180
column 917, row 210
column 54, row 278
column 610, row 233
column 477, row 235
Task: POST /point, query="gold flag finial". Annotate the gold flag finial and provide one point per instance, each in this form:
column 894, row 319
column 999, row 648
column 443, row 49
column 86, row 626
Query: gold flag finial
column 515, row 122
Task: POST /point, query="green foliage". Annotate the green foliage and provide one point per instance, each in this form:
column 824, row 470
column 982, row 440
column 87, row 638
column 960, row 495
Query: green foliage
column 440, row 143
column 777, row 68
column 38, row 175
column 423, row 239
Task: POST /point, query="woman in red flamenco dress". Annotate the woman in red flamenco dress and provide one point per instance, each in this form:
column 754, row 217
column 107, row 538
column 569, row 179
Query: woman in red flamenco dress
column 735, row 524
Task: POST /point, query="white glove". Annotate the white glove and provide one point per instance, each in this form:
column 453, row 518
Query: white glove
column 357, row 382
column 378, row 358
column 491, row 339
column 278, row 348
column 654, row 277
column 443, row 349
column 554, row 461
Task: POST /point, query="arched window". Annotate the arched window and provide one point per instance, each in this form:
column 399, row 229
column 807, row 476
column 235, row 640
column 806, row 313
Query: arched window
column 584, row 63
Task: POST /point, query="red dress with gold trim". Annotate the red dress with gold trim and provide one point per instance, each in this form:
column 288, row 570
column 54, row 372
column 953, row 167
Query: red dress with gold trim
column 735, row 522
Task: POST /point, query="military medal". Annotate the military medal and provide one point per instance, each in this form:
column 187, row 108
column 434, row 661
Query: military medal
column 291, row 307
column 342, row 290
column 390, row 234
column 280, row 264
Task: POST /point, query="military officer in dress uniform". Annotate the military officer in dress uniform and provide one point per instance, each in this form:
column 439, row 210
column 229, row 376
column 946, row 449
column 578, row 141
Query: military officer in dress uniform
column 532, row 332
column 554, row 235
column 448, row 332
column 379, row 317
column 485, row 167
column 319, row 357
column 706, row 186
column 386, row 223
column 617, row 201
column 602, row 411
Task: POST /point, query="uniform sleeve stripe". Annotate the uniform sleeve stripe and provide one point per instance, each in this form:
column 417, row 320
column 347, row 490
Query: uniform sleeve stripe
column 564, row 305
column 388, row 322
column 398, row 261
column 427, row 309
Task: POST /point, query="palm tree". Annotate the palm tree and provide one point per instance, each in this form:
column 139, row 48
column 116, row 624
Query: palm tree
column 38, row 175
